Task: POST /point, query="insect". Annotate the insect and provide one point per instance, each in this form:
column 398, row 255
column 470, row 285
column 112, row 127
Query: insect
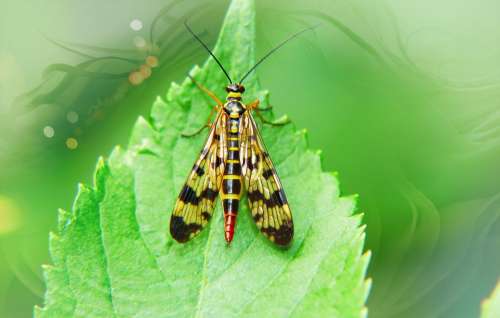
column 233, row 157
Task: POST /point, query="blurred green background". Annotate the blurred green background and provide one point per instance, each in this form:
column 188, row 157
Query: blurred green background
column 402, row 97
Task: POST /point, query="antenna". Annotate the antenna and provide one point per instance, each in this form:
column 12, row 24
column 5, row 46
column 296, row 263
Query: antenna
column 206, row 48
column 274, row 50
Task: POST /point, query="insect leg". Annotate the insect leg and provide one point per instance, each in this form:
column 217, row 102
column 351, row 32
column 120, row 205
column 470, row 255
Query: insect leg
column 272, row 123
column 195, row 132
column 255, row 107
column 208, row 124
column 208, row 92
column 269, row 107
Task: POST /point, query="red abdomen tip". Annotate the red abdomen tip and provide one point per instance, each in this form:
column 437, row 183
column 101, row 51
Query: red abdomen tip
column 229, row 221
column 229, row 235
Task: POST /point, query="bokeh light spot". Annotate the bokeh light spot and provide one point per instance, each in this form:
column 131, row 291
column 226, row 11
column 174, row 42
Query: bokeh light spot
column 139, row 42
column 136, row 25
column 48, row 131
column 10, row 215
column 135, row 78
column 145, row 71
column 71, row 143
column 152, row 61
column 72, row 117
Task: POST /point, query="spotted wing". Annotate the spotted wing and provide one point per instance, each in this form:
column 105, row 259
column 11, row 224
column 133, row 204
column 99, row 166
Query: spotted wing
column 266, row 197
column 196, row 202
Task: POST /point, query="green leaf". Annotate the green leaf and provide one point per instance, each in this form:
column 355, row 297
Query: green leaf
column 113, row 256
column 490, row 308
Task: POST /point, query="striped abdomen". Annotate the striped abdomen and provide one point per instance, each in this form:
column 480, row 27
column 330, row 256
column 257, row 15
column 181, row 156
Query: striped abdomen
column 231, row 183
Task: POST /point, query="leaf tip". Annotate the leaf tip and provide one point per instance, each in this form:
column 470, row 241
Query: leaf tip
column 118, row 149
column 362, row 227
column 173, row 91
column 63, row 219
column 141, row 121
column 367, row 255
column 303, row 134
column 100, row 168
column 116, row 154
column 53, row 236
column 159, row 101
column 82, row 187
column 193, row 72
column 100, row 162
column 100, row 172
column 143, row 139
column 354, row 198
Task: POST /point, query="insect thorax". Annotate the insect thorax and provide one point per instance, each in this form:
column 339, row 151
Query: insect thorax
column 234, row 107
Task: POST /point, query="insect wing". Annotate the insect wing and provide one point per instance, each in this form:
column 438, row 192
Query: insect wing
column 196, row 202
column 266, row 198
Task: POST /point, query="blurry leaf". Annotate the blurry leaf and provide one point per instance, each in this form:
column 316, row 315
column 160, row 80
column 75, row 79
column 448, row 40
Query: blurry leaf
column 99, row 77
column 113, row 255
column 67, row 45
column 490, row 307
